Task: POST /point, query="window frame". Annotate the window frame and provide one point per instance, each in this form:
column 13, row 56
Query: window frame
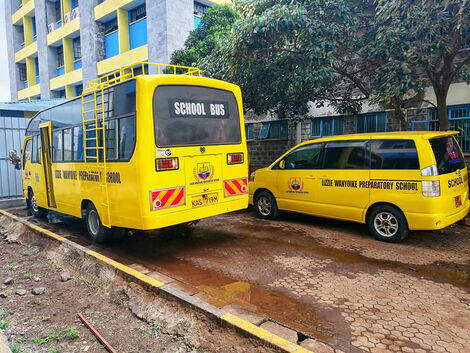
column 337, row 119
column 366, row 116
column 248, row 127
column 60, row 56
column 310, row 145
column 269, row 124
column 395, row 139
column 136, row 12
column 24, row 159
column 365, row 142
column 110, row 26
column 77, row 49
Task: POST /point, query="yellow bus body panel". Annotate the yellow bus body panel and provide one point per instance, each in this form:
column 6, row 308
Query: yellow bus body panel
column 131, row 183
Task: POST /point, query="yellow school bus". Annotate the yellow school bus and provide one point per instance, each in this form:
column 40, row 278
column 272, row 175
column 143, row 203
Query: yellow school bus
column 139, row 151
column 393, row 182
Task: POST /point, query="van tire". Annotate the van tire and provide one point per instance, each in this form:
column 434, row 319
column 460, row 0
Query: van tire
column 387, row 223
column 37, row 211
column 96, row 230
column 266, row 205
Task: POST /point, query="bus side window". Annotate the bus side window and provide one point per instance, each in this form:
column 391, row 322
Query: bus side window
column 27, row 153
column 126, row 137
column 35, row 150
column 78, row 143
column 57, row 146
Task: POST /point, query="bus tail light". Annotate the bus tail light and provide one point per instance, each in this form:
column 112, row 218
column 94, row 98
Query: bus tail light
column 167, row 164
column 431, row 188
column 235, row 158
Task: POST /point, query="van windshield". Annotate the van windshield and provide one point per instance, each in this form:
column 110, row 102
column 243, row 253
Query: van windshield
column 449, row 156
column 194, row 115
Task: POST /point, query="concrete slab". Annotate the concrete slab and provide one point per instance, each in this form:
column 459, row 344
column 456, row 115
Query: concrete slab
column 4, row 348
column 281, row 331
column 316, row 346
column 10, row 203
column 247, row 315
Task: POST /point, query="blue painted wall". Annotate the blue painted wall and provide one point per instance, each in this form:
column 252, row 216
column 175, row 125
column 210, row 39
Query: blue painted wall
column 197, row 21
column 77, row 64
column 111, row 45
column 138, row 33
column 60, row 71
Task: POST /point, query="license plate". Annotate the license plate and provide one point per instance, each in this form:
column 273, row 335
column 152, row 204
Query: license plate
column 458, row 201
column 204, row 200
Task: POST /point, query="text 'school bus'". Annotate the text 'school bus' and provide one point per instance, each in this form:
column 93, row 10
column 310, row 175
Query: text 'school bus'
column 139, row 152
column 391, row 181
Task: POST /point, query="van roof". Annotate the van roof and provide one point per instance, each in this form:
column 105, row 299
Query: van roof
column 394, row 134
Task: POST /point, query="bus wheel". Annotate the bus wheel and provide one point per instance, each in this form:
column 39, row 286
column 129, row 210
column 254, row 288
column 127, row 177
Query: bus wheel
column 388, row 224
column 266, row 205
column 38, row 212
column 96, row 230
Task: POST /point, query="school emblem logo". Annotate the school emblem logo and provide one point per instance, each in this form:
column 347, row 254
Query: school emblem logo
column 204, row 171
column 296, row 184
column 452, row 151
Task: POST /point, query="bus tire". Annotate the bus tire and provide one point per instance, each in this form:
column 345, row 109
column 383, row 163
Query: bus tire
column 37, row 211
column 96, row 230
column 387, row 223
column 266, row 205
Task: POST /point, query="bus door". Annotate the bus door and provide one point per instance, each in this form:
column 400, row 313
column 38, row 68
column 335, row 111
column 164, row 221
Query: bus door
column 46, row 158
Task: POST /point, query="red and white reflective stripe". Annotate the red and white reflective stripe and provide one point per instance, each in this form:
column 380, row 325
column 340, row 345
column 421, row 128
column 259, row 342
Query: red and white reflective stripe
column 167, row 198
column 235, row 187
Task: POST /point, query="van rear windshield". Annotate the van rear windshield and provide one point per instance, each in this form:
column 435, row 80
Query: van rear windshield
column 449, row 156
column 194, row 115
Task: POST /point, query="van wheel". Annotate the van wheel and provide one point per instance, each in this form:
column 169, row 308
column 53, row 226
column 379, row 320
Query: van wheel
column 37, row 211
column 266, row 206
column 96, row 230
column 387, row 223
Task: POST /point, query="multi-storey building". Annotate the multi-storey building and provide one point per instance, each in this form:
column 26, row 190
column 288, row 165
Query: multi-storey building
column 56, row 46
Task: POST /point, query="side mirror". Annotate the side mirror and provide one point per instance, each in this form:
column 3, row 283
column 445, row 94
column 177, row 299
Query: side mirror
column 282, row 164
column 14, row 159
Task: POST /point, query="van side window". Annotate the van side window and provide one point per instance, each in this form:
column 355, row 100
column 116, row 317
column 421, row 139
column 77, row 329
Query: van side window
column 346, row 155
column 394, row 154
column 304, row 157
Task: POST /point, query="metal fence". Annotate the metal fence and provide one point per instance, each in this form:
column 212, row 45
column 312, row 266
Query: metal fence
column 11, row 138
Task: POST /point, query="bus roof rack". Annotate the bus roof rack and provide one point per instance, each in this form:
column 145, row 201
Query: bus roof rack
column 127, row 73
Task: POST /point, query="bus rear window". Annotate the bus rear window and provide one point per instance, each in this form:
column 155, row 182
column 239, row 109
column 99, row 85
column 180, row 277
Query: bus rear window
column 449, row 157
column 194, row 115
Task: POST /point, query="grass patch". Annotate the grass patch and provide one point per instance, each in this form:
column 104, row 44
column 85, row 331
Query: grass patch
column 2, row 312
column 4, row 324
column 71, row 333
column 12, row 266
column 16, row 349
column 46, row 339
column 27, row 275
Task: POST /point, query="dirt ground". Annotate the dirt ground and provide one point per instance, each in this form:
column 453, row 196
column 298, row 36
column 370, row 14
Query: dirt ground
column 48, row 322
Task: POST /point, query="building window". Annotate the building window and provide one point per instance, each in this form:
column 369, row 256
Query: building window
column 78, row 90
column 22, row 72
column 374, row 122
column 60, row 56
column 33, row 24
column 74, row 4
column 137, row 13
column 459, row 120
column 111, row 26
column 465, row 35
column 250, row 131
column 200, row 9
column 273, row 130
column 77, row 49
column 327, row 126
column 58, row 11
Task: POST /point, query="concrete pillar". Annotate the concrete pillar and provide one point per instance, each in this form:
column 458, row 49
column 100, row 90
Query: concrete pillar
column 168, row 25
column 12, row 43
column 92, row 41
column 47, row 55
column 123, row 33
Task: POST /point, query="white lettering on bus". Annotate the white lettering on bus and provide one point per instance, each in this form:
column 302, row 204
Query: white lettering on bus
column 217, row 109
column 177, row 108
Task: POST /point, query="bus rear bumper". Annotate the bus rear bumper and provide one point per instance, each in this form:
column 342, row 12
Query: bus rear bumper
column 159, row 220
column 422, row 221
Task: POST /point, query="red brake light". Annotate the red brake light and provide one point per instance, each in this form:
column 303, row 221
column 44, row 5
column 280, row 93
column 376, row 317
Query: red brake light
column 234, row 158
column 167, row 164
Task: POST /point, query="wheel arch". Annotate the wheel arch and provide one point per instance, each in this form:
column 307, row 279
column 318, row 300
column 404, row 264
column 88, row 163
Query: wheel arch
column 84, row 205
column 259, row 191
column 381, row 203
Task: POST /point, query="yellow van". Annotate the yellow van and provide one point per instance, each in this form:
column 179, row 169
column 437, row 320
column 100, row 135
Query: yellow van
column 394, row 182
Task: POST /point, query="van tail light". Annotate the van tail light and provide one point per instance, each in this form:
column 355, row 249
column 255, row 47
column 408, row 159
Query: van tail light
column 431, row 188
column 430, row 171
column 166, row 164
column 235, row 158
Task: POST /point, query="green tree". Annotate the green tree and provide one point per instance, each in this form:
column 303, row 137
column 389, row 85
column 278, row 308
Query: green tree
column 286, row 54
column 426, row 38
column 215, row 24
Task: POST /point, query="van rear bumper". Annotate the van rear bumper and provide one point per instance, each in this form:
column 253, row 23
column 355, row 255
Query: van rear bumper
column 183, row 215
column 421, row 221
